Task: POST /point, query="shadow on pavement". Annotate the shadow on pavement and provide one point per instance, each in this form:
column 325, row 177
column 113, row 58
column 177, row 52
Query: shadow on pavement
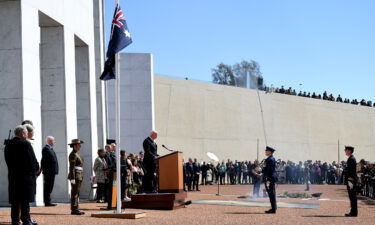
column 322, row 216
column 50, row 214
column 245, row 213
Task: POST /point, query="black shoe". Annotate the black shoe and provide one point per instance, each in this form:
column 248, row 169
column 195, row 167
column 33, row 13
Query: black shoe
column 30, row 222
column 77, row 212
column 351, row 215
column 271, row 211
column 49, row 204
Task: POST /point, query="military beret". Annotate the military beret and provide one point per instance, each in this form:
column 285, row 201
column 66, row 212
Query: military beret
column 270, row 149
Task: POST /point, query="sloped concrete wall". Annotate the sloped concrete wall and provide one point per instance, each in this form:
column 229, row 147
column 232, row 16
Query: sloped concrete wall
column 197, row 117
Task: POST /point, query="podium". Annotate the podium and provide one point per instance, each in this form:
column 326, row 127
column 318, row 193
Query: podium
column 170, row 179
column 171, row 173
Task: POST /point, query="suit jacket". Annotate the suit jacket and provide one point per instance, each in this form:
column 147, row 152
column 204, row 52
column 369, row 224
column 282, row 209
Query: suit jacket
column 49, row 163
column 22, row 167
column 189, row 169
column 269, row 171
column 151, row 152
column 75, row 160
column 110, row 158
column 196, row 168
column 100, row 165
column 350, row 171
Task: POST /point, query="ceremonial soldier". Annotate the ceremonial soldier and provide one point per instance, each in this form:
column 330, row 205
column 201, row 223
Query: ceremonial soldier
column 270, row 178
column 75, row 175
column 351, row 179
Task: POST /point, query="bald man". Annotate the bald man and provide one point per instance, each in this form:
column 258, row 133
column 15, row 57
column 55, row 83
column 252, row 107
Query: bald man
column 50, row 168
column 150, row 149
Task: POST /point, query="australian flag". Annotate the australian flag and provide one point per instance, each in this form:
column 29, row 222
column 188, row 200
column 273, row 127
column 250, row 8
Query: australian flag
column 120, row 38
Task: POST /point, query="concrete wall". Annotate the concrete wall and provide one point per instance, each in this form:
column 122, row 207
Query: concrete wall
column 137, row 121
column 197, row 117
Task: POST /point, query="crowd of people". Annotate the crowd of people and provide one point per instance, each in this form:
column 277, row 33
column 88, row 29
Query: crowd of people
column 247, row 172
column 324, row 96
column 367, row 179
column 138, row 172
column 132, row 173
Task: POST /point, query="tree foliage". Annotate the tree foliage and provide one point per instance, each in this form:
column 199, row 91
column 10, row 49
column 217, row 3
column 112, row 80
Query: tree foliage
column 223, row 74
column 236, row 75
column 246, row 67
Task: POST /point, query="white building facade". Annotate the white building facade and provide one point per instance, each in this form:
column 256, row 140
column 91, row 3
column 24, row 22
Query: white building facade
column 51, row 55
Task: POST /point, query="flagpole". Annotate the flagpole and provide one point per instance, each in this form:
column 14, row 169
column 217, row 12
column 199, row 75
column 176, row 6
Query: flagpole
column 118, row 134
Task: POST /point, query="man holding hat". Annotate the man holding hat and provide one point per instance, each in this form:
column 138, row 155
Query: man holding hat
column 351, row 179
column 270, row 178
column 75, row 175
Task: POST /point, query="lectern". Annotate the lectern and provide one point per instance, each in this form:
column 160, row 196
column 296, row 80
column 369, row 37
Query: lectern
column 171, row 193
column 171, row 173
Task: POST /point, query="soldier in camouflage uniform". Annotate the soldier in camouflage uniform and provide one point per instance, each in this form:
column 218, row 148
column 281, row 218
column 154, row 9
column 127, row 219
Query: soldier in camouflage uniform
column 75, row 175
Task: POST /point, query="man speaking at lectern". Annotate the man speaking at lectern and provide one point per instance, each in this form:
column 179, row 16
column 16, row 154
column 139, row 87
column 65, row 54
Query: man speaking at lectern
column 149, row 163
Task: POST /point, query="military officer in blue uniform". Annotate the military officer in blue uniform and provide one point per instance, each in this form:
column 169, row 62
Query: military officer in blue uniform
column 270, row 178
column 351, row 180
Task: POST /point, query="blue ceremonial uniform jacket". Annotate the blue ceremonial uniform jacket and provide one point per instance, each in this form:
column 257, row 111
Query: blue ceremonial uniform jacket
column 269, row 171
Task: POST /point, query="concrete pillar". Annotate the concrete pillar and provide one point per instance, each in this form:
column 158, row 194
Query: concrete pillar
column 19, row 79
column 58, row 96
column 99, row 62
column 31, row 83
column 11, row 93
column 84, row 112
column 137, row 109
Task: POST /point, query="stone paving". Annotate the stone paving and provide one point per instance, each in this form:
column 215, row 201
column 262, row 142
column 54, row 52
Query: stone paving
column 331, row 208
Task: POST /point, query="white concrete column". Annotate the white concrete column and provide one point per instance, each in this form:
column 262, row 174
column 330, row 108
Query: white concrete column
column 88, row 150
column 137, row 109
column 11, row 92
column 59, row 99
column 99, row 63
column 31, row 83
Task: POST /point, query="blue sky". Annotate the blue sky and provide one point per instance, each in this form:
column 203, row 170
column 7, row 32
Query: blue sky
column 321, row 44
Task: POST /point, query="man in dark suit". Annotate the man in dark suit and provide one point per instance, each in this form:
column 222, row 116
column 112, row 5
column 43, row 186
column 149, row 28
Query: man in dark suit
column 270, row 178
column 151, row 152
column 189, row 173
column 22, row 168
column 204, row 169
column 50, row 168
column 351, row 180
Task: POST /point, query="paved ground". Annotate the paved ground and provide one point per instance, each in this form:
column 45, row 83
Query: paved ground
column 330, row 211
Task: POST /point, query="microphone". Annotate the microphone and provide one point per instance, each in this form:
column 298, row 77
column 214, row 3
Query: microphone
column 166, row 148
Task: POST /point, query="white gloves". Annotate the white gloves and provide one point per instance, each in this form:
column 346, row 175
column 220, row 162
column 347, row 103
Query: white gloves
column 351, row 185
column 73, row 181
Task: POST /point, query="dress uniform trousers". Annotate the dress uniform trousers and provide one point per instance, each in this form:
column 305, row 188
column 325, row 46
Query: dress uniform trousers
column 271, row 190
column 75, row 195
